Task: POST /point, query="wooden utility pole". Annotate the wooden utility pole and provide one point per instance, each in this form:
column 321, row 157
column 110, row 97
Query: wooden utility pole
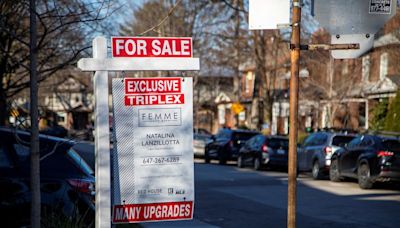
column 294, row 103
column 35, row 154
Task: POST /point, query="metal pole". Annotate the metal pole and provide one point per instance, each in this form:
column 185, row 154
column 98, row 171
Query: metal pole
column 35, row 155
column 294, row 103
column 102, row 139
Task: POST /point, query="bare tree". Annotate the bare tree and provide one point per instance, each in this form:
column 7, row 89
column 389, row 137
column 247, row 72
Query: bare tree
column 64, row 29
column 39, row 50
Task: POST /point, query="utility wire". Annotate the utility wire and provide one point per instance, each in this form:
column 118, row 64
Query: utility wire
column 163, row 20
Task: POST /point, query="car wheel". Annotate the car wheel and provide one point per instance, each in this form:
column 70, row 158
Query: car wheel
column 334, row 171
column 257, row 163
column 364, row 176
column 206, row 158
column 240, row 161
column 221, row 158
column 316, row 171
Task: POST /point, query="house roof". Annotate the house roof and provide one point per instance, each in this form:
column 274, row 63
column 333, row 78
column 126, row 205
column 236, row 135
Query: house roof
column 391, row 38
column 395, row 79
column 223, row 97
column 383, row 86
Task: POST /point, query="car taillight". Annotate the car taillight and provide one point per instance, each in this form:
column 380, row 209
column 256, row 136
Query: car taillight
column 82, row 185
column 264, row 148
column 328, row 150
column 385, row 154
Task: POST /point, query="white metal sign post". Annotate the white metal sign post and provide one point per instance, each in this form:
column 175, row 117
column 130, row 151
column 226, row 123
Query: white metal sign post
column 166, row 54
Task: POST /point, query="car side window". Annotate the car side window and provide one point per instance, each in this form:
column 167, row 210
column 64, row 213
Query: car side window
column 309, row 140
column 223, row 133
column 354, row 143
column 259, row 140
column 367, row 142
column 320, row 139
column 250, row 142
column 5, row 161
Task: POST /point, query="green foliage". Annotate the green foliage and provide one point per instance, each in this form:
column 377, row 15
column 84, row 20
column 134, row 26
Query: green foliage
column 301, row 137
column 378, row 115
column 392, row 121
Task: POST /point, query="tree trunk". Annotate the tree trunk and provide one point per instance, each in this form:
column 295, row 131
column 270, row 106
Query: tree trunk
column 35, row 155
column 4, row 108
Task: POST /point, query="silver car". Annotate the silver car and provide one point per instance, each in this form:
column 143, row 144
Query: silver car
column 200, row 139
column 315, row 153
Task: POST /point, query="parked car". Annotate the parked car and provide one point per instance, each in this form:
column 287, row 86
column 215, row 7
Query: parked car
column 315, row 153
column 200, row 138
column 261, row 151
column 226, row 143
column 87, row 151
column 368, row 158
column 67, row 182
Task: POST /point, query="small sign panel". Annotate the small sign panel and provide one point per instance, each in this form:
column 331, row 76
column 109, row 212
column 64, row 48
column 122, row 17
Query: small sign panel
column 153, row 177
column 380, row 6
column 151, row 47
column 268, row 14
column 353, row 16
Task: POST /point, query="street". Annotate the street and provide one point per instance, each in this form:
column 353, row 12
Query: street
column 227, row 196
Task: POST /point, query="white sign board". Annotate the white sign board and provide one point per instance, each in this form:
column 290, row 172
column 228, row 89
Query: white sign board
column 268, row 14
column 353, row 16
column 153, row 152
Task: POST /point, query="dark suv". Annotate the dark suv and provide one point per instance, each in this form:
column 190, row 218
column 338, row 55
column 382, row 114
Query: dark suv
column 315, row 153
column 264, row 150
column 368, row 158
column 67, row 182
column 225, row 144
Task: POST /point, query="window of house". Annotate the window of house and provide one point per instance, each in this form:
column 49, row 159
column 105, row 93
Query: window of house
column 345, row 68
column 248, row 81
column 366, row 63
column 383, row 70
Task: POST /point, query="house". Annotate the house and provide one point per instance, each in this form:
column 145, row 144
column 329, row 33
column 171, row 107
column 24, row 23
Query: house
column 212, row 98
column 360, row 84
column 67, row 100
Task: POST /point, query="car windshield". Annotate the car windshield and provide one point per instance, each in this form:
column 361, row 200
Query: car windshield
column 79, row 162
column 278, row 143
column 392, row 145
column 243, row 136
column 341, row 140
column 223, row 133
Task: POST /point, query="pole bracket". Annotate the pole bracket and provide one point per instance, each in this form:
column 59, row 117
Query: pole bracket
column 326, row 47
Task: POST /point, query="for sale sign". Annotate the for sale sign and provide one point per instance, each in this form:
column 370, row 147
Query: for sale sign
column 151, row 47
column 153, row 155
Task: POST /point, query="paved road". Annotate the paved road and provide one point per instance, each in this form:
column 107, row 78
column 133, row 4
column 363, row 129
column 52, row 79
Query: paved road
column 230, row 197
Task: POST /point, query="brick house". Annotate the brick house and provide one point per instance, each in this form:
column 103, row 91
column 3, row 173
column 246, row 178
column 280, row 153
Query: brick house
column 359, row 84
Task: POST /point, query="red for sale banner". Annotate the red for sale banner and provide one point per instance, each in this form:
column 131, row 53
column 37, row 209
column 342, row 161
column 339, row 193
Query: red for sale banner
column 165, row 47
